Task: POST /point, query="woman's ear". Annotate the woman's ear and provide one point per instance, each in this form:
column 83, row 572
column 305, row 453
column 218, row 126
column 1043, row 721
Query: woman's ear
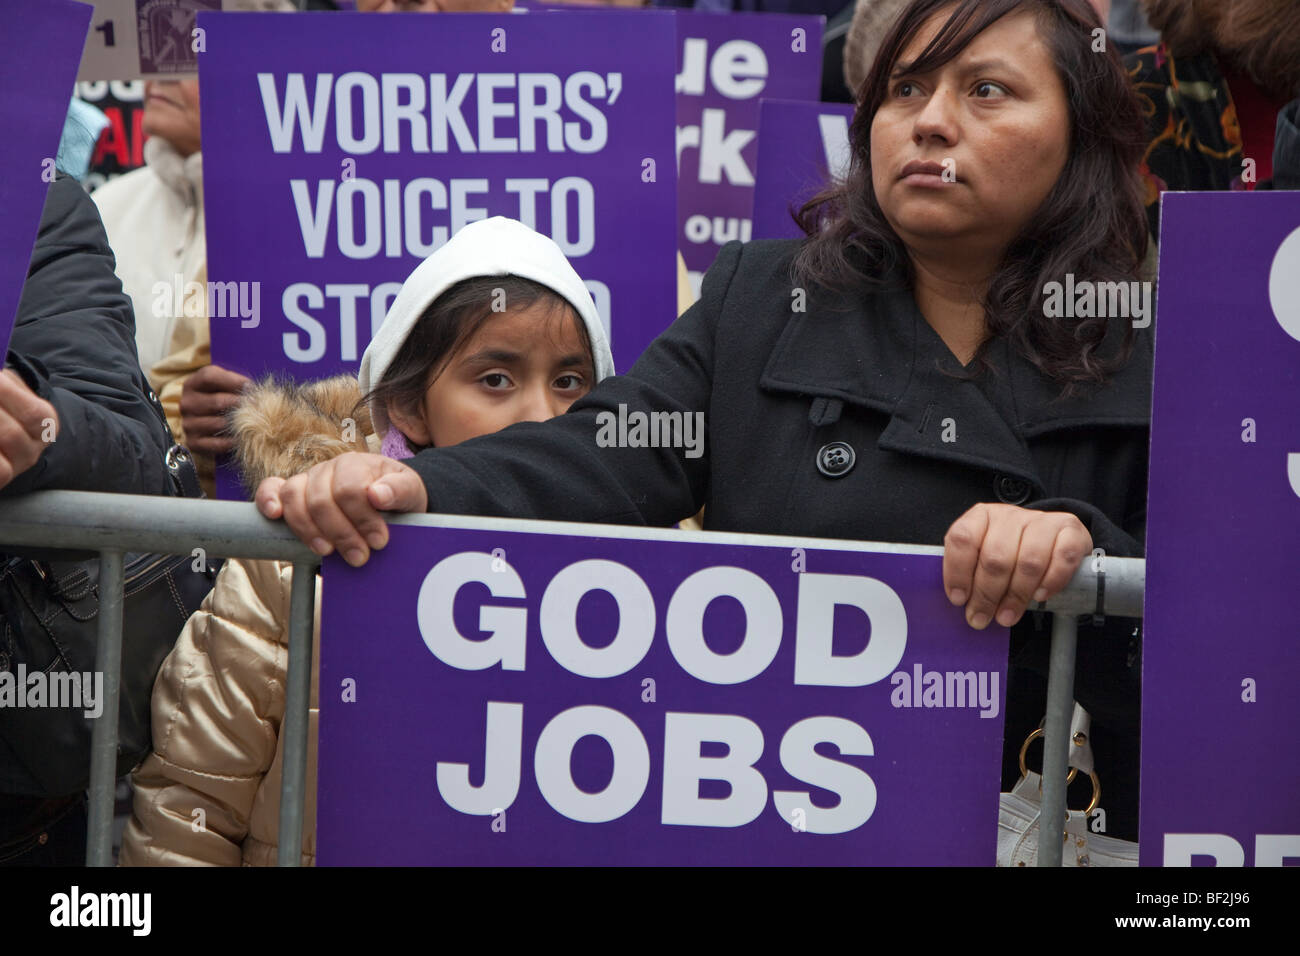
column 411, row 425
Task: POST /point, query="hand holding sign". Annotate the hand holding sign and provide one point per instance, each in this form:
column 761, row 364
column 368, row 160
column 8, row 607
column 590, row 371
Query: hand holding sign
column 337, row 504
column 1004, row 556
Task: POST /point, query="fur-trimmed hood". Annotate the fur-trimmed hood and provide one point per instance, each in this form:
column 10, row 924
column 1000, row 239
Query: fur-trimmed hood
column 282, row 428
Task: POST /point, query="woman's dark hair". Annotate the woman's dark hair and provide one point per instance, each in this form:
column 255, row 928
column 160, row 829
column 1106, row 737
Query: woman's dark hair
column 1092, row 223
column 449, row 322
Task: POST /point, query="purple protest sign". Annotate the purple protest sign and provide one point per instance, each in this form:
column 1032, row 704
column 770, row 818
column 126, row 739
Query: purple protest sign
column 725, row 63
column 546, row 693
column 1219, row 667
column 39, row 51
column 340, row 150
column 801, row 147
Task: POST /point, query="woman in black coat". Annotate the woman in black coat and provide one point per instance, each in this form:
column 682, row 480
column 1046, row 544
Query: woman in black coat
column 904, row 374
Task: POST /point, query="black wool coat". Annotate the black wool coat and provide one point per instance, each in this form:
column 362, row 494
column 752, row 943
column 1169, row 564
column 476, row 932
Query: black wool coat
column 844, row 417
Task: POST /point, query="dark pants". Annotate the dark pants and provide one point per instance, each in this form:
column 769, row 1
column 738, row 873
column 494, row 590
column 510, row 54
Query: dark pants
column 60, row 842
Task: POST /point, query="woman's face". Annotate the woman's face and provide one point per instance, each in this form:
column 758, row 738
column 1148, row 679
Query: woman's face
column 969, row 152
column 525, row 365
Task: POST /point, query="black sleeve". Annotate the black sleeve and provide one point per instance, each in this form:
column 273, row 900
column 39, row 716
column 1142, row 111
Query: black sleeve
column 74, row 345
column 1115, row 541
column 564, row 470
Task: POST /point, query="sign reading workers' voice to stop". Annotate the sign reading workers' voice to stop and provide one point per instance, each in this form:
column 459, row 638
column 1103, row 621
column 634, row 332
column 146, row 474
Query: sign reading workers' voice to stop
column 340, row 151
column 589, row 696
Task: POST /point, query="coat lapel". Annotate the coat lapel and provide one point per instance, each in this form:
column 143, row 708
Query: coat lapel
column 1124, row 402
column 882, row 355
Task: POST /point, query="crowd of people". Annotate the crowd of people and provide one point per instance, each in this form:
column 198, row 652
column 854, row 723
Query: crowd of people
column 919, row 297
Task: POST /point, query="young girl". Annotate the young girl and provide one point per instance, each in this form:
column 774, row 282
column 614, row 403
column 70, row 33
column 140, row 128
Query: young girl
column 494, row 328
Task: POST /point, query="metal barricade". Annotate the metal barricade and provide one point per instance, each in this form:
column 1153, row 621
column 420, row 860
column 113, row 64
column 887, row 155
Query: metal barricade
column 115, row 524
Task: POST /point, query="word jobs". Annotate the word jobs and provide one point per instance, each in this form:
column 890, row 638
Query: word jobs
column 684, row 733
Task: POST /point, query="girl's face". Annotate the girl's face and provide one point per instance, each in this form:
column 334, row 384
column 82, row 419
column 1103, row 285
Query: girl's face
column 970, row 151
column 524, row 365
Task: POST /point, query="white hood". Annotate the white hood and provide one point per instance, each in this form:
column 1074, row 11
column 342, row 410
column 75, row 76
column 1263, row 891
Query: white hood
column 489, row 247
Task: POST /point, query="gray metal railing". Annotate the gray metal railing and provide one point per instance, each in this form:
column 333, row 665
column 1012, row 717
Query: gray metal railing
column 116, row 524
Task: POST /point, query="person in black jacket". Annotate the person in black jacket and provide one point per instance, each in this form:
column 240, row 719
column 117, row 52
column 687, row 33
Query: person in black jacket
column 74, row 414
column 904, row 374
column 73, row 347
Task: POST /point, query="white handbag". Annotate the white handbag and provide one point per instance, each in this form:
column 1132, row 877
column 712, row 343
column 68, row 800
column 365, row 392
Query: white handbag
column 1020, row 811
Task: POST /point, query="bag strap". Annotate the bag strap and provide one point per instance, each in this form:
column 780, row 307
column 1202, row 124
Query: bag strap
column 179, row 461
column 1080, row 739
column 185, row 477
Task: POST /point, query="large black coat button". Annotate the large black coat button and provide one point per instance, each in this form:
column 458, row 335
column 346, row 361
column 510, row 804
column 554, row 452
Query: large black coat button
column 836, row 459
column 1011, row 491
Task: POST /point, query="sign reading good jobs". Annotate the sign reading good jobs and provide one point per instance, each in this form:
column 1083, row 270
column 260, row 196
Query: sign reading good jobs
column 512, row 692
column 340, row 151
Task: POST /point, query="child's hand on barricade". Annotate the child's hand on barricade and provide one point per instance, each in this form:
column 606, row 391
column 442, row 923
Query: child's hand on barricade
column 338, row 503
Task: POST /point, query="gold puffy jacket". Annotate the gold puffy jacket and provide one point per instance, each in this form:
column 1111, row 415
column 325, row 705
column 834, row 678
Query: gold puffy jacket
column 209, row 794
